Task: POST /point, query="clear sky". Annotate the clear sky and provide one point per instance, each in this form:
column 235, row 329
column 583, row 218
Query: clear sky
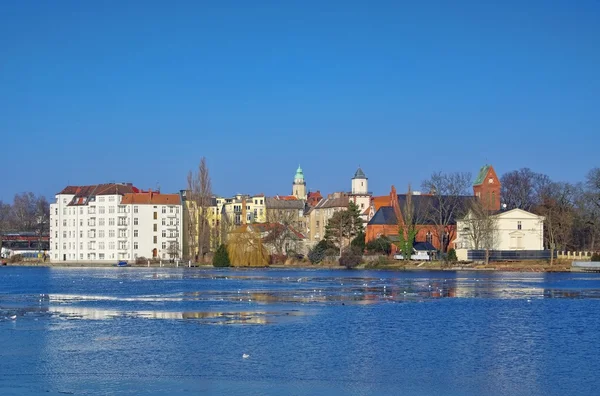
column 138, row 91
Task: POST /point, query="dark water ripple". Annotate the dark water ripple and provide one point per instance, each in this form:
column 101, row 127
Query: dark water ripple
column 181, row 331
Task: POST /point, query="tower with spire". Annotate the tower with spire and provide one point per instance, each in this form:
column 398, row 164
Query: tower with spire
column 299, row 185
column 360, row 194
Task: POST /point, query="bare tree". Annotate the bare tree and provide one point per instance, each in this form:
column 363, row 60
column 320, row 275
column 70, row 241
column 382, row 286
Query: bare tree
column 5, row 212
column 191, row 212
column 522, row 188
column 281, row 215
column 200, row 200
column 204, row 204
column 557, row 207
column 449, row 201
column 481, row 228
column 25, row 212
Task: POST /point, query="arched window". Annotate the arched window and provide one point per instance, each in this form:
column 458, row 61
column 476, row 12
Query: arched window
column 428, row 237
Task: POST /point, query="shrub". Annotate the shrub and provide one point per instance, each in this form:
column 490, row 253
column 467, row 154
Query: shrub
column 595, row 257
column 359, row 242
column 351, row 257
column 221, row 257
column 16, row 258
column 141, row 260
column 451, row 256
column 316, row 255
column 380, row 245
column 277, row 259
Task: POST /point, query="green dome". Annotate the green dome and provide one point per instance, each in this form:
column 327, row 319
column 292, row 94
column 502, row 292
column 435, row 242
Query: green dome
column 299, row 174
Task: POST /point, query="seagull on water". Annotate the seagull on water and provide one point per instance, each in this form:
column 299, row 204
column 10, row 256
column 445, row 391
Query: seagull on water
column 14, row 317
column 245, row 356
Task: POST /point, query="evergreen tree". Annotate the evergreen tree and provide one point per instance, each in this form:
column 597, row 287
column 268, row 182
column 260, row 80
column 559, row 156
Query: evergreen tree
column 221, row 257
column 343, row 226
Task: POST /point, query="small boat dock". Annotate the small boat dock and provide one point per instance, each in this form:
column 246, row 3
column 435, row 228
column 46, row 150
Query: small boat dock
column 586, row 266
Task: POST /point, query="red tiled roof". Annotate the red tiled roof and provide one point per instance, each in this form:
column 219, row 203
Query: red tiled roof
column 151, row 198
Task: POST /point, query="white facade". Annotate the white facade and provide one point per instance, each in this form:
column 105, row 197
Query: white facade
column 360, row 193
column 98, row 228
column 516, row 229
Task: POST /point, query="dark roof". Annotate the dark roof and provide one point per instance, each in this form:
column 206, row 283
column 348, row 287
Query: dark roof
column 359, row 174
column 426, row 206
column 384, row 216
column 423, row 247
column 274, row 203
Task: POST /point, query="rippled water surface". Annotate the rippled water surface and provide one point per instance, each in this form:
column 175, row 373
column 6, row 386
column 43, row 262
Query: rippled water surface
column 186, row 331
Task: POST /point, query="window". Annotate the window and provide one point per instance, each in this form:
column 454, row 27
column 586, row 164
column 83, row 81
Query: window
column 101, row 199
column 164, row 221
column 428, row 237
column 155, row 215
column 164, row 245
column 64, row 245
column 64, row 234
column 111, row 221
column 111, row 233
column 80, row 233
column 55, row 234
column 101, row 245
column 518, row 225
column 164, row 233
column 101, row 209
column 111, row 245
column 155, row 227
column 164, row 209
column 177, row 210
column 80, row 211
column 135, row 209
column 111, row 198
column 101, row 234
column 101, row 222
column 91, row 210
column 80, row 245
column 111, row 209
column 80, row 256
column 135, row 233
column 80, row 222
column 155, row 239
column 100, row 256
column 171, row 209
column 249, row 217
column 64, row 223
column 135, row 246
column 135, row 221
column 64, row 211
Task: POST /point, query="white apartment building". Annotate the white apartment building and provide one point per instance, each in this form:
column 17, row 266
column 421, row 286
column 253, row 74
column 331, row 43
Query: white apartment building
column 116, row 221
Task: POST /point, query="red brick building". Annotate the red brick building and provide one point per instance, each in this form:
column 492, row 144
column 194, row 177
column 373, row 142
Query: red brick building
column 426, row 210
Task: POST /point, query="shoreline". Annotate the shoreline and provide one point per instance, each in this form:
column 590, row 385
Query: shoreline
column 394, row 266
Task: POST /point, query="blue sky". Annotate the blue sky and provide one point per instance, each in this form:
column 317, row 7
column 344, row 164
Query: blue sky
column 136, row 91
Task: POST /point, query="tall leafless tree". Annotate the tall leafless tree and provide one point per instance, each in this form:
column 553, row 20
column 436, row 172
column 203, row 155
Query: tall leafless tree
column 557, row 207
column 200, row 197
column 481, row 228
column 449, row 191
column 5, row 210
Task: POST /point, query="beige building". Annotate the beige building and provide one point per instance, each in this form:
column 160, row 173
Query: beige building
column 319, row 215
column 515, row 229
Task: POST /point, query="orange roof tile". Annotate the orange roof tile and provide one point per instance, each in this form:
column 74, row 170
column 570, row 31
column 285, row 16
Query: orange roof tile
column 151, row 198
column 378, row 202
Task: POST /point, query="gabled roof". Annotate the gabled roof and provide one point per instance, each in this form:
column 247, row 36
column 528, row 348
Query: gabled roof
column 83, row 194
column 384, row 216
column 482, row 174
column 334, row 201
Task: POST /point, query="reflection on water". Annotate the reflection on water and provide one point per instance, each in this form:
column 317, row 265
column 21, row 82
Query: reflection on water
column 185, row 331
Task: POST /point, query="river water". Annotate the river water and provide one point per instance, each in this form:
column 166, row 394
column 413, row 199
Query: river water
column 96, row 331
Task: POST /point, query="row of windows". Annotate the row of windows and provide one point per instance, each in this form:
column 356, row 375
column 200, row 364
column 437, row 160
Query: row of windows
column 111, row 209
column 111, row 234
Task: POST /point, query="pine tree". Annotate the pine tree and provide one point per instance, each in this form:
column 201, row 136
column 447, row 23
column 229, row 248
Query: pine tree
column 221, row 257
column 343, row 226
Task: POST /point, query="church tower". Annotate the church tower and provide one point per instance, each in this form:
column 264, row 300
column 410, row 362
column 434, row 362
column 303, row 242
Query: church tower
column 299, row 185
column 487, row 188
column 360, row 191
